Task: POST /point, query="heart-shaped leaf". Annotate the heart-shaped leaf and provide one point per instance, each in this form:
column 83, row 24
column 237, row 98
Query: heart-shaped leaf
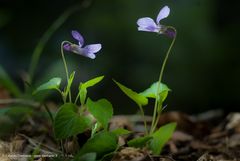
column 152, row 91
column 68, row 122
column 102, row 110
column 53, row 83
column 161, row 136
column 102, row 143
column 139, row 99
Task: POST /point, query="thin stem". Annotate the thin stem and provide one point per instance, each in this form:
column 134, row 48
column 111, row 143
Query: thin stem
column 158, row 100
column 49, row 112
column 45, row 38
column 66, row 68
column 144, row 119
column 62, row 147
column 64, row 60
column 156, row 122
column 75, row 102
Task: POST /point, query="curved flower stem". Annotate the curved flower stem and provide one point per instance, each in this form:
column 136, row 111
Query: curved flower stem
column 158, row 103
column 144, row 120
column 65, row 66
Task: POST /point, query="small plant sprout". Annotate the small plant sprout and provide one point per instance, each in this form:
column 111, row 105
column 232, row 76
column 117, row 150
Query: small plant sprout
column 154, row 139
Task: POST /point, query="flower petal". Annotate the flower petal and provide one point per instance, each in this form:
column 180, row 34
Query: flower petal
column 149, row 29
column 91, row 55
column 145, row 22
column 93, row 48
column 169, row 32
column 74, row 48
column 164, row 12
column 67, row 46
column 76, row 35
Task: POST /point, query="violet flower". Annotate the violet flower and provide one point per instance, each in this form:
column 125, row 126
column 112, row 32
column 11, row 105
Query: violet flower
column 149, row 25
column 87, row 51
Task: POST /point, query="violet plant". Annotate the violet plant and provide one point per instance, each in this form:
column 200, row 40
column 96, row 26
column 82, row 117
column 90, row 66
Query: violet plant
column 154, row 138
column 82, row 114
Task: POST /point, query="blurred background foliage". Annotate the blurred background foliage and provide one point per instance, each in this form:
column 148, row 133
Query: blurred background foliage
column 203, row 69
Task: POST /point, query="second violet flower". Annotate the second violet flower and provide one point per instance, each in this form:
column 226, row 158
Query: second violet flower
column 87, row 51
column 149, row 25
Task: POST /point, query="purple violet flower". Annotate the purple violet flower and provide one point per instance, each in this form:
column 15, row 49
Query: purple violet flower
column 87, row 51
column 147, row 24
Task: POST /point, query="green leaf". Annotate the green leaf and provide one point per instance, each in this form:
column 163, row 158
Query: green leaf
column 70, row 80
column 161, row 136
column 152, row 91
column 120, row 131
column 139, row 142
column 102, row 143
column 83, row 87
column 139, row 99
column 83, row 94
column 68, row 122
column 53, row 83
column 86, row 157
column 92, row 82
column 102, row 110
column 8, row 83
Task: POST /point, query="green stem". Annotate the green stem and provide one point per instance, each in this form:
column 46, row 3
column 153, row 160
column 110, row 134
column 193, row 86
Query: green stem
column 144, row 119
column 76, row 99
column 49, row 112
column 156, row 122
column 64, row 60
column 45, row 38
column 157, row 100
column 66, row 68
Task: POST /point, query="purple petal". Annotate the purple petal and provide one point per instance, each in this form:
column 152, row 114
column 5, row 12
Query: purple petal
column 76, row 35
column 67, row 46
column 146, row 22
column 91, row 55
column 93, row 48
column 169, row 32
column 164, row 12
column 74, row 48
column 149, row 29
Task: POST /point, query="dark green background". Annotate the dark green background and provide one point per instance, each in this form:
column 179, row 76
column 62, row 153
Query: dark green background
column 203, row 69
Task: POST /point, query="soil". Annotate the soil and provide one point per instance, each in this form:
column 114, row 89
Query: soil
column 210, row 136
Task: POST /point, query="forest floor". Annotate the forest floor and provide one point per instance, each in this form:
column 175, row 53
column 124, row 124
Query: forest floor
column 209, row 136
